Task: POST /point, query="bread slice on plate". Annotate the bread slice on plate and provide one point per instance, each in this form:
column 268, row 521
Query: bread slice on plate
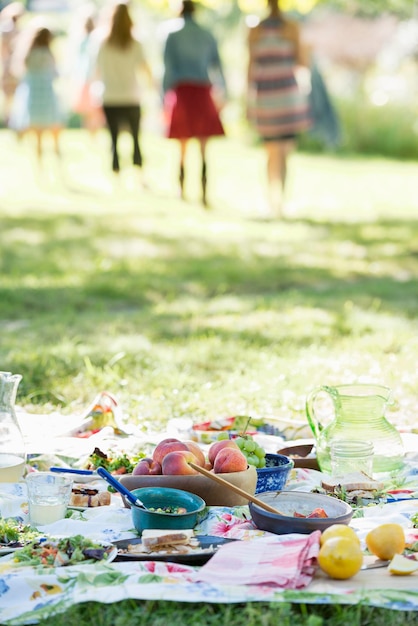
column 352, row 482
column 85, row 497
column 154, row 539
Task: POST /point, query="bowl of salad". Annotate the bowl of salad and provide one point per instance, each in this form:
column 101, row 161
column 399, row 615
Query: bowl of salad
column 166, row 508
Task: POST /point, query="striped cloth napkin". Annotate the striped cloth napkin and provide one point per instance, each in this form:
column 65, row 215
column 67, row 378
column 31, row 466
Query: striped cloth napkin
column 285, row 561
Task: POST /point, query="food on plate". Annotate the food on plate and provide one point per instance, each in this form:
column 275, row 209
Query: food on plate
column 166, row 542
column 88, row 497
column 339, row 530
column 153, row 539
column 60, row 552
column 354, row 486
column 340, row 557
column 386, row 540
column 402, row 565
column 15, row 534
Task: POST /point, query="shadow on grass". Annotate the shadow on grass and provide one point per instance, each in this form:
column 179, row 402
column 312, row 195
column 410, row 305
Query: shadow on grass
column 64, row 266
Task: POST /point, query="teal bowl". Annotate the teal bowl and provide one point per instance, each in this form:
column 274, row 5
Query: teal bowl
column 163, row 497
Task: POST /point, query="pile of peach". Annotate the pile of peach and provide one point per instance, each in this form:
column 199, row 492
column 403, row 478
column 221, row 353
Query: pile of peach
column 172, row 457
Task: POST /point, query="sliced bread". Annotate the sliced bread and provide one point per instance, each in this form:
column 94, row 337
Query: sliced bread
column 355, row 481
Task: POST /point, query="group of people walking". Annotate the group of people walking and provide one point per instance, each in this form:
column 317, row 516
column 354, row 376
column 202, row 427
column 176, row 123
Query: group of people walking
column 192, row 64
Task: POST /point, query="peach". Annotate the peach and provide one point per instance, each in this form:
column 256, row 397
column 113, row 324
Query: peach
column 177, row 463
column 220, row 445
column 165, row 446
column 197, row 451
column 229, row 460
column 147, row 466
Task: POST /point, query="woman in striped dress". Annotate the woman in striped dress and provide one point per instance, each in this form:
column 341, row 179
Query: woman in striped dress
column 277, row 108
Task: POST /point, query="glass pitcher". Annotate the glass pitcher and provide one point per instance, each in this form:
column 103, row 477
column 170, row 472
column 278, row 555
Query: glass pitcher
column 12, row 445
column 358, row 412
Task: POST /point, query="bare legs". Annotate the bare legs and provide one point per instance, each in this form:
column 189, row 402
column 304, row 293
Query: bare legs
column 183, row 147
column 203, row 143
column 277, row 157
column 39, row 133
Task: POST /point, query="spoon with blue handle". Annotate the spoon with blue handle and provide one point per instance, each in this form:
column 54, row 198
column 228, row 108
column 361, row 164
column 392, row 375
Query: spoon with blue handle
column 117, row 485
column 67, row 470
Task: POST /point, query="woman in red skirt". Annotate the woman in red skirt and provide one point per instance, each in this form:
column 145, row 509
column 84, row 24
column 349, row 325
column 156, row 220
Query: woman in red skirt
column 190, row 53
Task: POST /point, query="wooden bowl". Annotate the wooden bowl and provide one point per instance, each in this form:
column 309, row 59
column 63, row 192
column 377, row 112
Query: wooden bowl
column 212, row 493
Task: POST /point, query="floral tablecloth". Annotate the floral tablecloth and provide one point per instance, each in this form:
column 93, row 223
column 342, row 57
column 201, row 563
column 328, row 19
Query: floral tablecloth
column 28, row 594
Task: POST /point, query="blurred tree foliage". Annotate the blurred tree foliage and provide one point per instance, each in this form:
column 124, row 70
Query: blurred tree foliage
column 404, row 9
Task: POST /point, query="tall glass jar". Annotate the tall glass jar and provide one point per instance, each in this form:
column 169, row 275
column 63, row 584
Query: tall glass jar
column 12, row 445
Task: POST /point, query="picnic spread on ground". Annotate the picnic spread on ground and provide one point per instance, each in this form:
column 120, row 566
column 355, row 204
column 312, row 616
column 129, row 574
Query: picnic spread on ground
column 224, row 558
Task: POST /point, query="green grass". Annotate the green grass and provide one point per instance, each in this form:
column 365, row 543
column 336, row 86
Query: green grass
column 183, row 312
column 156, row 613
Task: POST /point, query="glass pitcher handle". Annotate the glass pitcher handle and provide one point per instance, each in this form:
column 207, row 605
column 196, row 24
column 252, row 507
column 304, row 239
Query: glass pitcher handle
column 313, row 420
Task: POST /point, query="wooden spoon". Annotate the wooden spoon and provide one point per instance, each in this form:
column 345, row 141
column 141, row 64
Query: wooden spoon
column 241, row 492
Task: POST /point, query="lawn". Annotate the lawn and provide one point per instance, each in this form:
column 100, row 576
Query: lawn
column 187, row 312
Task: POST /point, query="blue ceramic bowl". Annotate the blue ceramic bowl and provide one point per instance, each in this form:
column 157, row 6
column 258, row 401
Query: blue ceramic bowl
column 161, row 497
column 273, row 477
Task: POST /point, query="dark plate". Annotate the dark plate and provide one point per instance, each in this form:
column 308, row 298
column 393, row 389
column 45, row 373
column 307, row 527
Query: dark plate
column 192, row 558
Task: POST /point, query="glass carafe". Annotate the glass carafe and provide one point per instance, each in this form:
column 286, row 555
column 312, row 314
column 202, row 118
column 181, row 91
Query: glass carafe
column 358, row 413
column 12, row 445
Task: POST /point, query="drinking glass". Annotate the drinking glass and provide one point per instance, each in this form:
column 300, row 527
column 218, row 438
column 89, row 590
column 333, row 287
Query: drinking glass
column 48, row 497
column 350, row 455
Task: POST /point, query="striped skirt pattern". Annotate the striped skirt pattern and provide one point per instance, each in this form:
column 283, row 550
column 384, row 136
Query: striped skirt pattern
column 279, row 109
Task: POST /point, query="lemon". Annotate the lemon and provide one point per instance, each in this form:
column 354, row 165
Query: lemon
column 386, row 540
column 340, row 557
column 339, row 530
column 401, row 566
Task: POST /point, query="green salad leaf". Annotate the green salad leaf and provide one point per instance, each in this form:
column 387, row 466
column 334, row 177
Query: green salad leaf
column 64, row 551
column 15, row 534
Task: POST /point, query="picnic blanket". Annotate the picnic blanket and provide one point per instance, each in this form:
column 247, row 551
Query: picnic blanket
column 28, row 594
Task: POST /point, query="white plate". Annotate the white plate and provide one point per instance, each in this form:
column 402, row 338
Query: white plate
column 8, row 553
column 112, row 554
column 5, row 550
